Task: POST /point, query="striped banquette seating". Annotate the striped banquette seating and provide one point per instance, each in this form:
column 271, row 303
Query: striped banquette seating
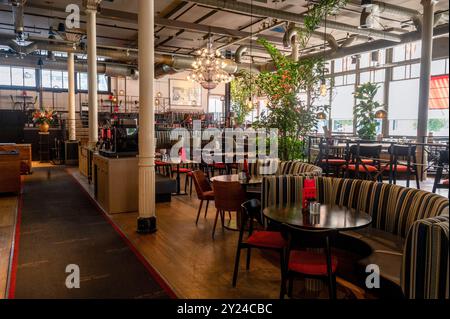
column 276, row 167
column 408, row 238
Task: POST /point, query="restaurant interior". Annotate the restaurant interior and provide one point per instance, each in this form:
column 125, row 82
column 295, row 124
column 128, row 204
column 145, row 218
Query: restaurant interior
column 239, row 149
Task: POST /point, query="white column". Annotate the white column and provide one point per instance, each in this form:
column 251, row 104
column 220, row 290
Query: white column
column 92, row 74
column 71, row 96
column 147, row 219
column 425, row 76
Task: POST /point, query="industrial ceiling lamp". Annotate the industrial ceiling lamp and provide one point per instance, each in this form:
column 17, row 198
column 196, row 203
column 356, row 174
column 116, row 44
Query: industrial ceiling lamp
column 366, row 3
column 323, row 84
column 380, row 114
column 209, row 68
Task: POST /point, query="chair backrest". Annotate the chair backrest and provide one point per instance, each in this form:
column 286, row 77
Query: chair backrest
column 404, row 151
column 251, row 210
column 228, row 196
column 443, row 158
column 310, row 238
column 201, row 183
column 365, row 150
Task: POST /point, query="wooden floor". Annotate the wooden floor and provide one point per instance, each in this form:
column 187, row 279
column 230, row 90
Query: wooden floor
column 193, row 264
column 8, row 212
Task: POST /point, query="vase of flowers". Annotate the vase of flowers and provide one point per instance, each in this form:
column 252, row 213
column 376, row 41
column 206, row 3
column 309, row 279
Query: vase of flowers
column 44, row 118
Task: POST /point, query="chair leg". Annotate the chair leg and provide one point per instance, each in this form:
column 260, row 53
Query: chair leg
column 249, row 252
column 190, row 187
column 291, row 286
column 222, row 218
column 199, row 210
column 215, row 223
column 185, row 183
column 332, row 286
column 417, row 179
column 206, row 210
column 236, row 265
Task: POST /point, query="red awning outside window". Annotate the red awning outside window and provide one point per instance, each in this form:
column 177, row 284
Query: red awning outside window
column 439, row 93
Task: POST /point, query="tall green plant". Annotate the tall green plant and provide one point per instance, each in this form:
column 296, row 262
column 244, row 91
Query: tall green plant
column 365, row 110
column 295, row 118
column 243, row 88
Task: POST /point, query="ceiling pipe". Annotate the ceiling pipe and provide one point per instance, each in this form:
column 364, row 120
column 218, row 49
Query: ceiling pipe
column 236, row 6
column 17, row 10
column 61, row 64
column 380, row 44
column 240, row 52
column 293, row 31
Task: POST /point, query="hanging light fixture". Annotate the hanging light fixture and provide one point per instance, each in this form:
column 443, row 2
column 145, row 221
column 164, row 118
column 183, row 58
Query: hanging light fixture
column 321, row 116
column 381, row 114
column 209, row 68
column 323, row 87
column 323, row 83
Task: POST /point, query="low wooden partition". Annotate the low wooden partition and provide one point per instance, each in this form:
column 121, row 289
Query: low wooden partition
column 25, row 155
column 9, row 171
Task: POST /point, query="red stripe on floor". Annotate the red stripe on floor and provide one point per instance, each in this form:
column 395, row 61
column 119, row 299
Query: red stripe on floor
column 15, row 255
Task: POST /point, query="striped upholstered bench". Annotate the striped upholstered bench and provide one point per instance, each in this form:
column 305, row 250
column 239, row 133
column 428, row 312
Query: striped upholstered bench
column 276, row 167
column 408, row 238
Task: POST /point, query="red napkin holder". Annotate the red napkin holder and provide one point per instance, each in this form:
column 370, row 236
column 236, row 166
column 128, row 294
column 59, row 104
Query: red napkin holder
column 309, row 192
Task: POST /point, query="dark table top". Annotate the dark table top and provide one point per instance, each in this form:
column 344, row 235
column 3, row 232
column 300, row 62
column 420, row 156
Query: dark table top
column 331, row 217
column 254, row 180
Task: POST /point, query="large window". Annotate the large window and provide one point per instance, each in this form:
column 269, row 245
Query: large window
column 83, row 82
column 342, row 108
column 17, row 77
column 403, row 107
column 52, row 79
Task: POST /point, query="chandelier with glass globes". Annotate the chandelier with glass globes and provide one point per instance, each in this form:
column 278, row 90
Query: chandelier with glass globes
column 209, row 68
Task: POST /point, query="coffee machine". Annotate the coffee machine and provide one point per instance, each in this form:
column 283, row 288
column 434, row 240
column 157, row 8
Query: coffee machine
column 120, row 139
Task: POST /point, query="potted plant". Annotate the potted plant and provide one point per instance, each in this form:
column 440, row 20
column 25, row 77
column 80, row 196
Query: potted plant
column 44, row 118
column 366, row 109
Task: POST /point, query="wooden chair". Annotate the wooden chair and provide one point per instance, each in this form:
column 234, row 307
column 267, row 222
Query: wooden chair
column 403, row 161
column 365, row 160
column 204, row 191
column 327, row 161
column 228, row 197
column 261, row 239
column 304, row 263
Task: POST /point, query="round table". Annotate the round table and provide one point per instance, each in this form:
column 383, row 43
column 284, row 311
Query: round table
column 254, row 180
column 330, row 217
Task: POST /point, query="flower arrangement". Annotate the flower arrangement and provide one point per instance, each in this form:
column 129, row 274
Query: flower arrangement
column 44, row 117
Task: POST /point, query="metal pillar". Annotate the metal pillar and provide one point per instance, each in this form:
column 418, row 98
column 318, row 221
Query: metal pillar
column 147, row 219
column 91, row 12
column 425, row 75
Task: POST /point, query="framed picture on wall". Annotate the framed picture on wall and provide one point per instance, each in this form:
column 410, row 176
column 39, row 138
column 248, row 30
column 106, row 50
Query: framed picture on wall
column 185, row 93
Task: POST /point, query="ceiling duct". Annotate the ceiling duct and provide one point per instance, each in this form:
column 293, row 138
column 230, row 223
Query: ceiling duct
column 293, row 31
column 61, row 64
column 236, row 6
column 17, row 10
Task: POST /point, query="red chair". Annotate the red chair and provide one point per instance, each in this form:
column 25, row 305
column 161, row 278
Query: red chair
column 261, row 239
column 403, row 161
column 363, row 160
column 204, row 191
column 304, row 263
